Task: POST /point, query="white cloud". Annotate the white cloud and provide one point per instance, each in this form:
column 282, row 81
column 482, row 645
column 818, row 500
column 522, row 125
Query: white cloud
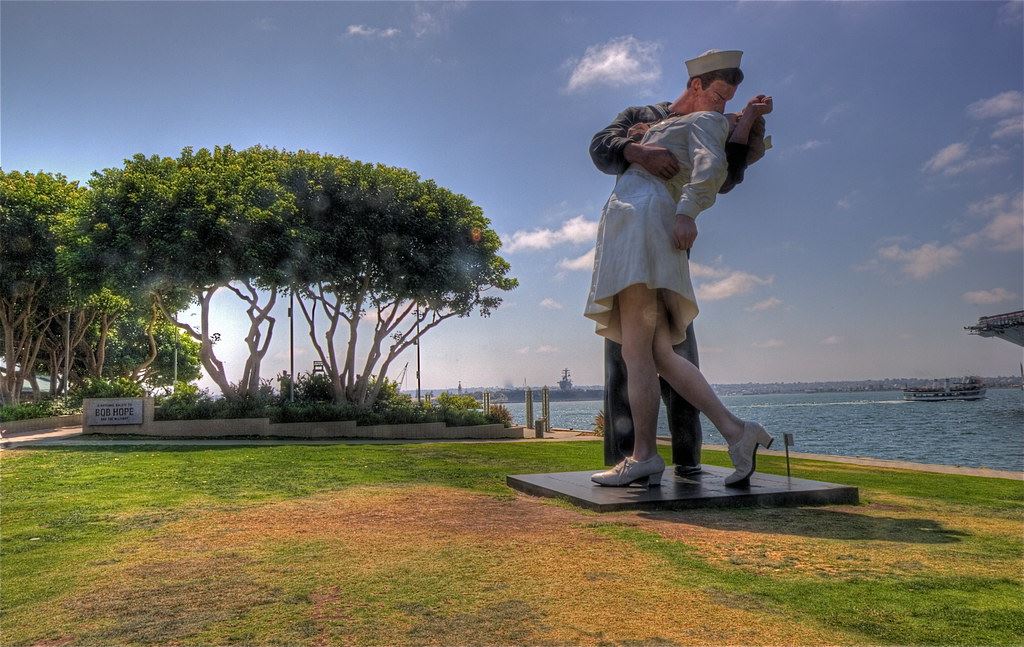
column 1001, row 105
column 434, row 18
column 846, row 201
column 1011, row 13
column 1009, row 128
column 574, row 230
column 810, row 145
column 579, row 264
column 550, row 304
column 1005, row 231
column 770, row 343
column 524, row 350
column 265, row 24
column 834, row 112
column 831, row 340
column 986, row 297
column 734, row 284
column 371, row 32
column 767, row 304
column 992, row 204
column 953, row 160
column 619, row 62
column 546, row 349
column 945, row 157
column 921, row 262
column 707, row 271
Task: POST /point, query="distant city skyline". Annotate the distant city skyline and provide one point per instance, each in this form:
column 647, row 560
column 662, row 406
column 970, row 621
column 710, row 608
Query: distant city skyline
column 888, row 215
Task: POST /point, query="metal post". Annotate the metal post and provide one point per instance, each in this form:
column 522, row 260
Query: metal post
column 419, row 400
column 545, row 406
column 174, row 381
column 529, row 408
column 67, row 354
column 787, row 441
column 291, row 346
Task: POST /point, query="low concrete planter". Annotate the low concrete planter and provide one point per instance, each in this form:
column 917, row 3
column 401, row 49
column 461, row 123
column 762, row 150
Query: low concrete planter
column 207, row 428
column 332, row 429
column 485, row 432
column 261, row 427
column 40, row 424
column 405, row 432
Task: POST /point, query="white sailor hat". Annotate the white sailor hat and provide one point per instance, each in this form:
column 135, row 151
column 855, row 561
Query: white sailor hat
column 713, row 59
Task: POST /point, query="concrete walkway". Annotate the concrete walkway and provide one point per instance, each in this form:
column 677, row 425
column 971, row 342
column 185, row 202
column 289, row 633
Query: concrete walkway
column 73, row 437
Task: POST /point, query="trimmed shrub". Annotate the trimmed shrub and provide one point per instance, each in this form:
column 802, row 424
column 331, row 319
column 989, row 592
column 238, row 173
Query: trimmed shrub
column 192, row 404
column 97, row 387
column 186, row 403
column 312, row 388
column 42, row 409
column 499, row 414
column 312, row 412
column 457, row 402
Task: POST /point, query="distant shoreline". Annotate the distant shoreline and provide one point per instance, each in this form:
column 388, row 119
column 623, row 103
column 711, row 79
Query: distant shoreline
column 591, row 392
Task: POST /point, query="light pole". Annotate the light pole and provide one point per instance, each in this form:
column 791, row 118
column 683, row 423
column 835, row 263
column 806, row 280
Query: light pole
column 67, row 353
column 291, row 346
column 419, row 399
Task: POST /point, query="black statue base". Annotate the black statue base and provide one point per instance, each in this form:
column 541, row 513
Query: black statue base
column 704, row 490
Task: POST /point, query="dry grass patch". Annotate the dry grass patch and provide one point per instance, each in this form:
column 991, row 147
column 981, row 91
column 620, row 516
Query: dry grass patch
column 890, row 535
column 410, row 565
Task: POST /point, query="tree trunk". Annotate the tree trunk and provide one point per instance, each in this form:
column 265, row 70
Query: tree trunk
column 138, row 374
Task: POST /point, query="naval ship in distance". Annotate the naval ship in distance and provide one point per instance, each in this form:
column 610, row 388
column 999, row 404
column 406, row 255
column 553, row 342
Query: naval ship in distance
column 563, row 392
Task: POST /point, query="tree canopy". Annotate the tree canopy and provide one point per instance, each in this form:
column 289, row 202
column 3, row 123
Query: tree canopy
column 354, row 241
column 38, row 277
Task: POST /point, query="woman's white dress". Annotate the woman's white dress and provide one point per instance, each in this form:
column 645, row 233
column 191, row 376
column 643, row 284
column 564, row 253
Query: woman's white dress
column 634, row 237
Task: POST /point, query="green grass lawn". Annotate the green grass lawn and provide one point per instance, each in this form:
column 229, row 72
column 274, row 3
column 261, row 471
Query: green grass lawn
column 424, row 544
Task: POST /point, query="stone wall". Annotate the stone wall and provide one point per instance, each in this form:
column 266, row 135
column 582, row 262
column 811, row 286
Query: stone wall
column 262, row 427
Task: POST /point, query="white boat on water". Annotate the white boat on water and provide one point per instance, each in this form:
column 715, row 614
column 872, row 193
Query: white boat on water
column 968, row 388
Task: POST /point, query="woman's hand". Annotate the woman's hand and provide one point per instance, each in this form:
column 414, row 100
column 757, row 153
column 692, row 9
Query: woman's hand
column 758, row 106
column 684, row 232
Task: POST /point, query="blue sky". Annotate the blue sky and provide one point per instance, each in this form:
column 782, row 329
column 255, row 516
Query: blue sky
column 886, row 218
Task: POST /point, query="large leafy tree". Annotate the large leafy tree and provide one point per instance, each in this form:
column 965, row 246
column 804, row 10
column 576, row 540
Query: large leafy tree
column 129, row 352
column 92, row 315
column 39, row 279
column 204, row 222
column 380, row 244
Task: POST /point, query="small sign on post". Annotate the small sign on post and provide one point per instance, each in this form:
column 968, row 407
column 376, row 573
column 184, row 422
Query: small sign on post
column 788, row 441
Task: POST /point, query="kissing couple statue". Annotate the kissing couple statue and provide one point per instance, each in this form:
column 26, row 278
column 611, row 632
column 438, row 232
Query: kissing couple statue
column 671, row 159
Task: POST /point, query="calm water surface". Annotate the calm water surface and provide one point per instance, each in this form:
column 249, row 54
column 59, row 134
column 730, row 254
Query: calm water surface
column 985, row 433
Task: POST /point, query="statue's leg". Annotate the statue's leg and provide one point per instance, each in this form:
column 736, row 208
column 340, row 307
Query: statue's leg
column 618, row 419
column 683, row 417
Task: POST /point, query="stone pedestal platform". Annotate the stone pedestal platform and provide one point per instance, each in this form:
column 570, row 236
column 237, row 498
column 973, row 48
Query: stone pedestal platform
column 704, row 490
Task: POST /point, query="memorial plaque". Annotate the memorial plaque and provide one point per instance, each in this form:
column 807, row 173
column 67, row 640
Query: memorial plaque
column 114, row 411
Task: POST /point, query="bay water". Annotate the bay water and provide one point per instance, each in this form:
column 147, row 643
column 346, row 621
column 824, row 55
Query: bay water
column 983, row 433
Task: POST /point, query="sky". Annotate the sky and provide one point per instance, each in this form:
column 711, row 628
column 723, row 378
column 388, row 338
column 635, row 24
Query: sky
column 887, row 216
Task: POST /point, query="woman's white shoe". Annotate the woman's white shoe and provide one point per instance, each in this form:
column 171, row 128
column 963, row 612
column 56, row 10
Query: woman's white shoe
column 743, row 452
column 630, row 471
